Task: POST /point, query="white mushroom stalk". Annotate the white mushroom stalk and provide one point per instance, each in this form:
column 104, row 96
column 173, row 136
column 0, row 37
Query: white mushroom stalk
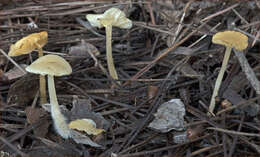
column 111, row 17
column 53, row 65
column 59, row 120
column 219, row 79
column 110, row 60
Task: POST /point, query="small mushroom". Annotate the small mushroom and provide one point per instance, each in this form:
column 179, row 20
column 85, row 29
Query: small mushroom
column 25, row 46
column 111, row 17
column 230, row 39
column 53, row 65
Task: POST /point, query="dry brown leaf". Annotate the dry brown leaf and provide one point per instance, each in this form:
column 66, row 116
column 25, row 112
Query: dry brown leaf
column 35, row 114
column 23, row 90
column 28, row 44
column 15, row 72
column 86, row 125
column 3, row 60
column 250, row 74
column 83, row 48
column 3, row 78
column 81, row 138
column 152, row 91
column 188, row 71
column 54, row 148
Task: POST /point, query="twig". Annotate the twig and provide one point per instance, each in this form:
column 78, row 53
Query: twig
column 165, row 53
column 220, row 12
column 232, row 149
column 243, row 19
column 248, row 34
column 234, row 132
column 17, row 65
column 163, row 148
column 254, row 146
column 257, row 37
column 204, row 36
column 142, row 24
column 151, row 13
column 204, row 150
column 181, row 21
column 244, row 103
column 250, row 74
column 13, row 147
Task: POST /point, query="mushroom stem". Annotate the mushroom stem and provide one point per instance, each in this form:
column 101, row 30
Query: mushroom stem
column 60, row 123
column 110, row 61
column 43, row 97
column 219, row 79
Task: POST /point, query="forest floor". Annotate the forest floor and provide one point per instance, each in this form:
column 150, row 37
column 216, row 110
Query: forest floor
column 166, row 59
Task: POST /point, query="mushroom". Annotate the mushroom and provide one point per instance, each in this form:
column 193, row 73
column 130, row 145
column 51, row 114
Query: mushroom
column 25, row 46
column 230, row 39
column 53, row 65
column 111, row 17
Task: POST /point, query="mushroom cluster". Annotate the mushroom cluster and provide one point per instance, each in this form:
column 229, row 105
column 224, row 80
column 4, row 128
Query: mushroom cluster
column 53, row 65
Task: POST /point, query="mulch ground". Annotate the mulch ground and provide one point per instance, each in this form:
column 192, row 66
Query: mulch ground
column 167, row 54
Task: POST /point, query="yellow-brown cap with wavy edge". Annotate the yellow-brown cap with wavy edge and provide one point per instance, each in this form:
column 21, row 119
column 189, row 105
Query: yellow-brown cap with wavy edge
column 29, row 43
column 231, row 39
column 50, row 65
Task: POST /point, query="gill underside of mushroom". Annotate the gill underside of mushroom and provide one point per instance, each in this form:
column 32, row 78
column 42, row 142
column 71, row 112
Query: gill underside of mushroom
column 219, row 79
column 110, row 61
column 43, row 97
column 59, row 120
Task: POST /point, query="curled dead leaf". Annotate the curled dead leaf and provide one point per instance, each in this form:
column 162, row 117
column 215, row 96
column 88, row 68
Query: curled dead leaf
column 80, row 138
column 3, row 60
column 152, row 91
column 15, row 72
column 23, row 90
column 188, row 71
column 82, row 110
column 35, row 114
column 83, row 49
column 3, row 78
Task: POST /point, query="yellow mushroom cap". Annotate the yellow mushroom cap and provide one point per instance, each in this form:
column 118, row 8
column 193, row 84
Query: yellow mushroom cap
column 28, row 44
column 87, row 125
column 50, row 65
column 112, row 16
column 231, row 39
